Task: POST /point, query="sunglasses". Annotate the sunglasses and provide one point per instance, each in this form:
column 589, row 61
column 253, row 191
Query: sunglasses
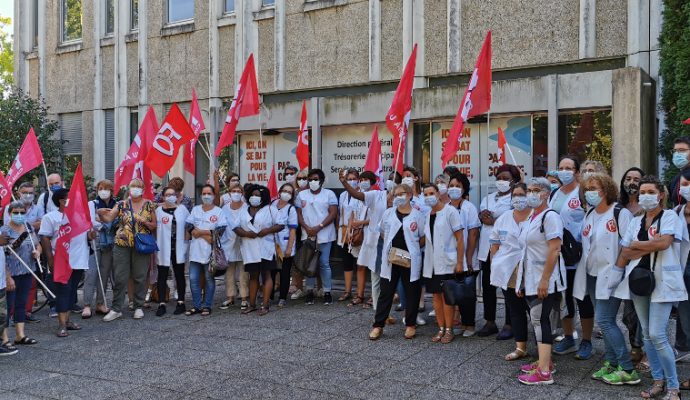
column 314, row 180
column 18, row 212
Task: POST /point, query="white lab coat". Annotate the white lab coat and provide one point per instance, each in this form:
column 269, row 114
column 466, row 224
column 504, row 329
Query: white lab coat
column 441, row 250
column 506, row 232
column 230, row 241
column 572, row 214
column 413, row 230
column 470, row 220
column 347, row 205
column 199, row 248
column 164, row 236
column 375, row 204
column 497, row 208
column 254, row 250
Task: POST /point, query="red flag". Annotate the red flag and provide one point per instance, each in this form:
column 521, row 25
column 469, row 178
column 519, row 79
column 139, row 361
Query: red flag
column 273, row 184
column 28, row 158
column 686, row 122
column 133, row 164
column 374, row 162
column 5, row 192
column 245, row 103
column 398, row 116
column 502, row 146
column 475, row 101
column 303, row 140
column 197, row 124
column 173, row 133
column 78, row 221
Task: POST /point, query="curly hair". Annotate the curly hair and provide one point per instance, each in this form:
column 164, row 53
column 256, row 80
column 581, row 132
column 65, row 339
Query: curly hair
column 607, row 184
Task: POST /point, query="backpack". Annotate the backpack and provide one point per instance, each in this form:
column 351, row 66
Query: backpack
column 616, row 213
column 571, row 249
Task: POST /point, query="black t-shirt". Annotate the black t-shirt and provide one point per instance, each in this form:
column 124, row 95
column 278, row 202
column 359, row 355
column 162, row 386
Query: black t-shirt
column 643, row 236
column 432, row 220
column 399, row 238
column 173, row 227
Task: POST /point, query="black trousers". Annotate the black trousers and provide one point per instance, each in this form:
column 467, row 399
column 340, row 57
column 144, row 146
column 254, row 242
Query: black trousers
column 285, row 269
column 584, row 306
column 517, row 309
column 385, row 301
column 178, row 270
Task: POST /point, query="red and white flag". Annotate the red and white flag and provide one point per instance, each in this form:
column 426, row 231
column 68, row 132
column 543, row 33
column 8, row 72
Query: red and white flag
column 686, row 122
column 5, row 192
column 28, row 158
column 133, row 165
column 502, row 146
column 475, row 101
column 273, row 183
column 78, row 221
column 374, row 162
column 302, row 152
column 398, row 116
column 173, row 133
column 245, row 103
column 197, row 124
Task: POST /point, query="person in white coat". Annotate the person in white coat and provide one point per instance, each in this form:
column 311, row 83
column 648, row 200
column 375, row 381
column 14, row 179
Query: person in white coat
column 601, row 233
column 542, row 276
column 287, row 238
column 348, row 219
column 653, row 243
column 172, row 248
column 506, row 252
column 444, row 256
column 231, row 248
column 257, row 227
column 402, row 227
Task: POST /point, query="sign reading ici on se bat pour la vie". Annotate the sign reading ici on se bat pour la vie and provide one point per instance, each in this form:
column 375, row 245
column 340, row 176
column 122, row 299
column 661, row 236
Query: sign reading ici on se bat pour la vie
column 258, row 155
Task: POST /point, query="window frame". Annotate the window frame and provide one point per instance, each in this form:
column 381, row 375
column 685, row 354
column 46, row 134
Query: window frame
column 166, row 16
column 264, row 5
column 107, row 33
column 225, row 8
column 132, row 27
column 63, row 15
column 34, row 24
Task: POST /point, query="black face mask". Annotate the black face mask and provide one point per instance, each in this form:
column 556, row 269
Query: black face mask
column 631, row 188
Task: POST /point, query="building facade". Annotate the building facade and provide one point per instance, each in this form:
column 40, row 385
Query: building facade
column 572, row 76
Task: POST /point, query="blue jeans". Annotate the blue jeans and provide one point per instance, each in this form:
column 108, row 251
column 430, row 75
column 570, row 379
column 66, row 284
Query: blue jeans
column 324, row 267
column 683, row 321
column 605, row 312
column 195, row 271
column 16, row 299
column 654, row 322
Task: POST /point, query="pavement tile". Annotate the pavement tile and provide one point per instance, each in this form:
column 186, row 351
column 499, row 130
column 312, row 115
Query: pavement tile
column 73, row 387
column 385, row 389
column 251, row 389
column 146, row 393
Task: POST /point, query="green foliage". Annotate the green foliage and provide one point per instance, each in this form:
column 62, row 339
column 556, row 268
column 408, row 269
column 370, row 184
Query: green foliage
column 6, row 53
column 72, row 28
column 675, row 73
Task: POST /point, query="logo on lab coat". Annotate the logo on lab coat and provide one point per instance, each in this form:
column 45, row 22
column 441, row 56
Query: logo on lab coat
column 165, row 220
column 413, row 227
column 574, row 203
column 611, row 226
column 213, row 218
column 586, row 231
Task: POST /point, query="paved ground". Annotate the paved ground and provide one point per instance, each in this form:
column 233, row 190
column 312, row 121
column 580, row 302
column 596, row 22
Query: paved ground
column 298, row 352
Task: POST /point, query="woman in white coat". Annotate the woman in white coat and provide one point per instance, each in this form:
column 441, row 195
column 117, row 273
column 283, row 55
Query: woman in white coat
column 402, row 227
column 444, row 255
column 172, row 248
column 652, row 243
column 231, row 248
column 601, row 233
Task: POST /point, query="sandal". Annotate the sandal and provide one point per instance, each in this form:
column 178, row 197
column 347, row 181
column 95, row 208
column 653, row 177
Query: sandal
column 345, row 296
column 643, row 366
column 192, row 311
column 205, row 312
column 516, row 355
column 411, row 332
column 263, row 311
column 250, row 309
column 71, row 326
column 62, row 332
column 448, row 337
column 654, row 391
column 9, row 346
column 357, row 300
column 86, row 312
column 437, row 337
column 685, row 385
column 25, row 341
column 370, row 303
column 376, row 333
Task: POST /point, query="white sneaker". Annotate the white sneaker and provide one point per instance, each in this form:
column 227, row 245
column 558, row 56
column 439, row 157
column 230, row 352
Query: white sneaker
column 468, row 333
column 432, row 313
column 112, row 316
column 421, row 321
column 138, row 313
column 297, row 295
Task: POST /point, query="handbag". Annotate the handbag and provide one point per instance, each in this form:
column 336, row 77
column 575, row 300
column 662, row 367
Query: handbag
column 459, row 290
column 218, row 260
column 641, row 281
column 307, row 258
column 144, row 243
column 156, row 299
column 356, row 235
column 399, row 257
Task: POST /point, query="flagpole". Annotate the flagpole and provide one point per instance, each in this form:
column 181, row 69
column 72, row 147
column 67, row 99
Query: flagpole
column 98, row 269
column 511, row 153
column 397, row 155
column 32, row 272
column 45, row 171
column 38, row 260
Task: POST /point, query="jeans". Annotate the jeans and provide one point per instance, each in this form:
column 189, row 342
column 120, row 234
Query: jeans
column 17, row 298
column 91, row 284
column 683, row 321
column 324, row 266
column 385, row 301
column 195, row 271
column 654, row 322
column 129, row 264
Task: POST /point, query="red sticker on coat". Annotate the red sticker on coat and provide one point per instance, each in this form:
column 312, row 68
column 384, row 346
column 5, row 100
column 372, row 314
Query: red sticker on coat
column 165, row 220
column 574, row 203
column 413, row 227
column 611, row 226
column 586, row 231
column 213, row 218
column 651, row 231
column 304, row 204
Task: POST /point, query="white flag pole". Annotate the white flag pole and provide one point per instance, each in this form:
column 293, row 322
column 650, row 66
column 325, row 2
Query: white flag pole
column 45, row 171
column 98, row 268
column 511, row 153
column 30, row 271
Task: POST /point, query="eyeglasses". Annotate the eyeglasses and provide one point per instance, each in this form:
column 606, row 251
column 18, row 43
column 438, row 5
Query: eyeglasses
column 536, row 191
column 314, row 180
column 18, row 212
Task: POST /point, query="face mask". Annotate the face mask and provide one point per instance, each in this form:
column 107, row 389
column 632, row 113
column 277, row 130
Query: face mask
column 390, row 185
column 19, row 219
column 631, row 188
column 236, row 197
column 54, row 188
column 314, row 185
column 519, row 203
column 442, row 188
column 408, row 181
column 285, row 196
column 566, row 176
column 555, row 186
column 455, row 193
column 364, row 186
column 685, row 192
column 593, row 198
column 302, row 183
column 172, row 199
column 534, row 200
column 27, row 198
column 680, row 160
column 207, row 199
column 430, row 200
column 354, row 183
column 104, row 194
column 255, row 201
column 503, row 186
column 400, row 201
column 136, row 192
column 649, row 201
column 290, row 178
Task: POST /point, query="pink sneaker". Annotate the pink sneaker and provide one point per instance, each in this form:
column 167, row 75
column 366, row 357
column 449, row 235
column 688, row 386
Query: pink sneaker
column 527, row 368
column 536, row 377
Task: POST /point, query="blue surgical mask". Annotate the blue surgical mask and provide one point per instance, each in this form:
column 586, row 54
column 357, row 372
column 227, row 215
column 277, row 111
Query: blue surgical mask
column 534, row 200
column 399, row 200
column 55, row 188
column 648, row 202
column 364, row 186
column 566, row 176
column 593, row 198
column 555, row 186
column 680, row 160
column 455, row 193
column 19, row 219
column 519, row 202
column 430, row 201
column 207, row 199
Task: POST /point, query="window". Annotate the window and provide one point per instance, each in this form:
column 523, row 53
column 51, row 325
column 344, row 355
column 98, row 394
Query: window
column 34, row 22
column 180, row 10
column 70, row 134
column 71, row 20
column 229, row 6
column 268, row 3
column 109, row 144
column 133, row 124
column 134, row 15
column 109, row 17
column 586, row 134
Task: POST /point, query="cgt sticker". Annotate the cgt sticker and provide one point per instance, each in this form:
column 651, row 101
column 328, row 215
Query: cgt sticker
column 587, row 230
column 651, row 231
column 574, row 204
column 413, row 227
column 611, row 226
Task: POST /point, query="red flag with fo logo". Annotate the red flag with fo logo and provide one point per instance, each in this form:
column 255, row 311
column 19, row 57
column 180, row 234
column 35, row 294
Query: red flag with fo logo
column 28, row 158
column 374, row 163
column 197, row 124
column 173, row 133
column 398, row 116
column 133, row 164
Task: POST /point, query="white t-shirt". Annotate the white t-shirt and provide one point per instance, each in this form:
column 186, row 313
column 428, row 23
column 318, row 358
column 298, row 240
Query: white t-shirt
column 230, row 241
column 288, row 214
column 199, row 248
column 506, row 233
column 347, row 205
column 78, row 246
column 49, row 206
column 314, row 208
column 497, row 206
column 260, row 248
column 469, row 217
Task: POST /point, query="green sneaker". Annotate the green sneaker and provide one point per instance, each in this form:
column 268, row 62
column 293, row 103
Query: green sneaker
column 620, row 377
column 605, row 370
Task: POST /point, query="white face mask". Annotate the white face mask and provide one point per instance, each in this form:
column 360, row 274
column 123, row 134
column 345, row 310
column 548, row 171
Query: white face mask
column 390, row 185
column 442, row 188
column 534, row 200
column 455, row 193
column 502, row 186
column 236, row 197
column 172, row 199
column 302, row 183
column 290, row 178
column 207, row 199
column 400, row 200
column 685, row 192
column 314, row 185
column 255, row 201
column 354, row 183
column 285, row 196
column 364, row 186
column 648, row 202
column 430, row 201
column 408, row 181
column 104, row 194
column 136, row 192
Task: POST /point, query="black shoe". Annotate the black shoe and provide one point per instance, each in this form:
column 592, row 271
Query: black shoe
column 161, row 310
column 179, row 309
column 488, row 329
column 4, row 351
column 30, row 319
column 76, row 309
column 327, row 298
column 309, row 299
column 505, row 334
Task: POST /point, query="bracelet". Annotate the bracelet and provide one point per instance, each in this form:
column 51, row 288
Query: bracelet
column 321, row 225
